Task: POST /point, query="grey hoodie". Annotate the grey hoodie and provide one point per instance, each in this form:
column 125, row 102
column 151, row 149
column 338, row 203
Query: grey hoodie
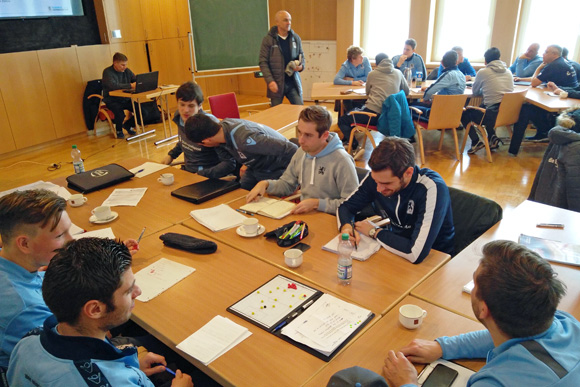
column 493, row 82
column 329, row 176
column 382, row 82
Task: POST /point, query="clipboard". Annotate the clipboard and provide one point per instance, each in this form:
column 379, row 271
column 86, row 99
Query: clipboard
column 280, row 301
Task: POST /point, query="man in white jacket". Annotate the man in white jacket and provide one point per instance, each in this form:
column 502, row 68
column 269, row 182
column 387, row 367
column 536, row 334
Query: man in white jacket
column 321, row 167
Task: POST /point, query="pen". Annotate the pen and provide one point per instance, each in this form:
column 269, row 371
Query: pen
column 279, row 326
column 245, row 212
column 354, row 235
column 141, row 235
column 139, row 171
column 170, row 371
column 550, row 225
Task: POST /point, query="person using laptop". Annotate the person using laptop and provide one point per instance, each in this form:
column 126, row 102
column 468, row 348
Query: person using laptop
column 210, row 162
column 115, row 77
column 321, row 167
column 263, row 152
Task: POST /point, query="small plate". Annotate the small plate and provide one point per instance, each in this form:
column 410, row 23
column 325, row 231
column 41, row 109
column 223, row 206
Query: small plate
column 241, row 232
column 93, row 218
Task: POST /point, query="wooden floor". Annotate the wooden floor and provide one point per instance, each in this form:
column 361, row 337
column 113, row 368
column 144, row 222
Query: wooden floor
column 507, row 180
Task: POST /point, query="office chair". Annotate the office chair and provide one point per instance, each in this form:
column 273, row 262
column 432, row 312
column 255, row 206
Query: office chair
column 224, row 106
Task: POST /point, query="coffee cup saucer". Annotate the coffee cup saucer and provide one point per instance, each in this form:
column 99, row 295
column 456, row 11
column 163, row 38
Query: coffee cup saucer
column 75, row 205
column 241, row 232
column 93, row 218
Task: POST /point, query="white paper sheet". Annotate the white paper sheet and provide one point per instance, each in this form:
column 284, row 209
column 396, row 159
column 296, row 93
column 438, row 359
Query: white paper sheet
column 125, row 197
column 57, row 189
column 365, row 249
column 218, row 218
column 75, row 230
column 102, row 233
column 147, row 169
column 160, row 276
column 214, row 339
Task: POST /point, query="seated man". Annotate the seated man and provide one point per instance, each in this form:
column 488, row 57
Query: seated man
column 264, row 153
column 492, row 82
column 576, row 65
column 321, row 167
column 33, row 224
column 90, row 288
column 415, row 200
column 463, row 65
column 115, row 77
column 205, row 161
column 354, row 71
column 383, row 81
column 527, row 341
column 411, row 59
column 527, row 63
column 554, row 68
column 450, row 82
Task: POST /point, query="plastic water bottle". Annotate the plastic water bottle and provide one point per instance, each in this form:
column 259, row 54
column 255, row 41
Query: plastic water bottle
column 408, row 74
column 419, row 79
column 77, row 161
column 345, row 260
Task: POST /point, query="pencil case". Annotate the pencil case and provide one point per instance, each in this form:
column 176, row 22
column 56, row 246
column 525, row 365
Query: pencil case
column 188, row 243
column 289, row 234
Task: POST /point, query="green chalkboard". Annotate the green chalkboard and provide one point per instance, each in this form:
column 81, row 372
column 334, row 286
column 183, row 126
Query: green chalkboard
column 228, row 33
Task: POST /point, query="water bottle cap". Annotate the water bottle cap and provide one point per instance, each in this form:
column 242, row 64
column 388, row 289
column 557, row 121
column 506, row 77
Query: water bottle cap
column 74, row 147
column 345, row 237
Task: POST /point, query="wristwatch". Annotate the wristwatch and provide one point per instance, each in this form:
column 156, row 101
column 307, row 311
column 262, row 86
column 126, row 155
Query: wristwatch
column 373, row 232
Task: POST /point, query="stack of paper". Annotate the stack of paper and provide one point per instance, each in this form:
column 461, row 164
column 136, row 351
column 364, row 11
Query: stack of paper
column 272, row 208
column 326, row 324
column 147, row 168
column 125, row 197
column 218, row 218
column 160, row 276
column 214, row 339
column 57, row 189
column 102, row 233
column 366, row 247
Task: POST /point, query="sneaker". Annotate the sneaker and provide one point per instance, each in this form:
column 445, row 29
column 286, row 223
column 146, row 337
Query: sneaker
column 120, row 135
column 131, row 131
column 538, row 138
column 494, row 142
column 476, row 147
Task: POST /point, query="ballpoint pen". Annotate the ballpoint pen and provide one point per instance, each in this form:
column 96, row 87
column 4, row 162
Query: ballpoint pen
column 141, row 235
column 245, row 212
column 354, row 235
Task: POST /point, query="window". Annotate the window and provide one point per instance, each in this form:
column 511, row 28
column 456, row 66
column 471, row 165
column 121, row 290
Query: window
column 465, row 23
column 385, row 26
column 548, row 24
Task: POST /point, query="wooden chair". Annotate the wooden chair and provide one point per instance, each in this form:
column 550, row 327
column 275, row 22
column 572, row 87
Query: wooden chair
column 445, row 114
column 508, row 114
column 104, row 114
column 363, row 128
column 224, row 106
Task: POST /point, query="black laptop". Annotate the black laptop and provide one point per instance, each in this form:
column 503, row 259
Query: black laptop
column 203, row 191
column 145, row 82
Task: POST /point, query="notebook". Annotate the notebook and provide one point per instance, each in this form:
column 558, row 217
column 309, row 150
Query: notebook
column 98, row 178
column 144, row 82
column 365, row 249
column 203, row 191
column 272, row 208
column 554, row 251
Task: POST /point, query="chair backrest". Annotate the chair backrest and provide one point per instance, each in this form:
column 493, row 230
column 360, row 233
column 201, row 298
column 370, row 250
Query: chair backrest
column 446, row 111
column 509, row 109
column 472, row 216
column 224, row 106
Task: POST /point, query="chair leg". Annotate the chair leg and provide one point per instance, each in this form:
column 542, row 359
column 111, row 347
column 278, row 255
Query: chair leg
column 465, row 136
column 421, row 148
column 370, row 136
column 456, row 141
column 486, row 142
column 349, row 150
column 441, row 139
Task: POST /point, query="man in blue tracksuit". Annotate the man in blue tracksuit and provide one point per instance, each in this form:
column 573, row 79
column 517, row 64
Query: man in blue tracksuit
column 527, row 341
column 415, row 200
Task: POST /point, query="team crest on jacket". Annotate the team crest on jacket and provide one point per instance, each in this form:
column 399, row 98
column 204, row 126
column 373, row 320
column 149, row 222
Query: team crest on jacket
column 250, row 141
column 321, row 170
column 410, row 207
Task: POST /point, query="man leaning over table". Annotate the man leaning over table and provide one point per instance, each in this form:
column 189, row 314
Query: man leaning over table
column 411, row 59
column 354, row 72
column 416, row 200
column 527, row 341
column 263, row 152
column 527, row 63
column 554, row 68
column 205, row 161
column 90, row 287
column 321, row 167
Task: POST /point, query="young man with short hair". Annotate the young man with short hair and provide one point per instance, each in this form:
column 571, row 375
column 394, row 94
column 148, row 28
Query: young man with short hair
column 264, row 153
column 205, row 161
column 90, row 288
column 410, row 58
column 527, row 341
column 321, row 167
column 415, row 200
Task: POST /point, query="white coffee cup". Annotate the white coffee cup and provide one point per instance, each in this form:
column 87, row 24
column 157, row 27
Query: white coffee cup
column 293, row 257
column 102, row 212
column 411, row 316
column 250, row 226
column 77, row 200
column 166, row 178
column 563, row 94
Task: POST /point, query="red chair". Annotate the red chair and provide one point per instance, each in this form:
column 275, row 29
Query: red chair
column 224, row 106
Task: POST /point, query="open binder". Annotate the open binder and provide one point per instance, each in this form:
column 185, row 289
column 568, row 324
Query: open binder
column 280, row 302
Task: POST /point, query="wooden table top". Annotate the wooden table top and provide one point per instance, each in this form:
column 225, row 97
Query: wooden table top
column 537, row 96
column 279, row 117
column 378, row 283
column 220, row 280
column 370, row 350
column 150, row 94
column 444, row 288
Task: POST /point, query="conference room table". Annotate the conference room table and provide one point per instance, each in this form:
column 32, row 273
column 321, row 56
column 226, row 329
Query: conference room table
column 220, row 280
column 370, row 349
column 280, row 117
column 444, row 288
column 378, row 283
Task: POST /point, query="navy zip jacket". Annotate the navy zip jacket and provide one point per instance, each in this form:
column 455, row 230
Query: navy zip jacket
column 420, row 214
